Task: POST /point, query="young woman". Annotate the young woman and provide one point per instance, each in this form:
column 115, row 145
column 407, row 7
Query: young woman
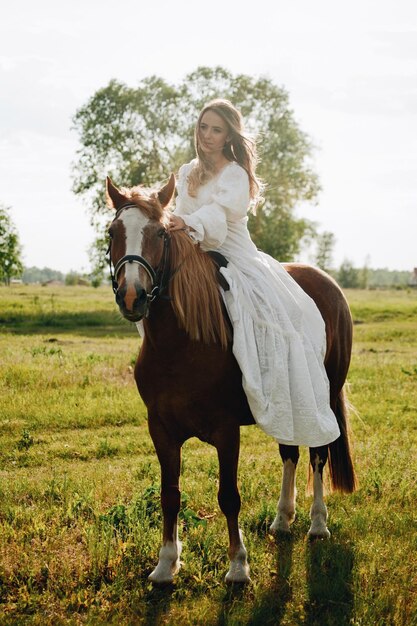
column 279, row 335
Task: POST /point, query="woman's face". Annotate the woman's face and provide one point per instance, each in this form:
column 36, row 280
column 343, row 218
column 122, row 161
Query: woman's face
column 213, row 133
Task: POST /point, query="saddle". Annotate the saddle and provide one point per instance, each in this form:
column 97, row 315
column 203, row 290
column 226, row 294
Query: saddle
column 219, row 261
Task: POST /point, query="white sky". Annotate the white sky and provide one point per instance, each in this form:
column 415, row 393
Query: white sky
column 350, row 69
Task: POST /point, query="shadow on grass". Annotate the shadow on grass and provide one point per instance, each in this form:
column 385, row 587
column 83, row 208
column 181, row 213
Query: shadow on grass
column 271, row 606
column 91, row 323
column 158, row 602
column 232, row 599
column 329, row 567
column 329, row 572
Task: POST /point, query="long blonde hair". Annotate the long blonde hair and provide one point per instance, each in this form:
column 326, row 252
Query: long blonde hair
column 241, row 148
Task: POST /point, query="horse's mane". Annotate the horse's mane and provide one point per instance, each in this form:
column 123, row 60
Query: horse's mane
column 146, row 199
column 194, row 288
column 195, row 292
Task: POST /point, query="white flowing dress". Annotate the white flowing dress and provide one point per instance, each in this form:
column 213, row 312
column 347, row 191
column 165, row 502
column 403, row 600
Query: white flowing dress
column 279, row 338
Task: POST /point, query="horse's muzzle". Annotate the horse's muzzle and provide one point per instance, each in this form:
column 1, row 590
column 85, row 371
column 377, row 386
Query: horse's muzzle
column 134, row 306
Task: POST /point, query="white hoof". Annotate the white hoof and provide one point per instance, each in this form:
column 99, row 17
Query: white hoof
column 282, row 522
column 163, row 575
column 318, row 516
column 318, row 528
column 168, row 565
column 321, row 534
column 238, row 572
column 239, row 568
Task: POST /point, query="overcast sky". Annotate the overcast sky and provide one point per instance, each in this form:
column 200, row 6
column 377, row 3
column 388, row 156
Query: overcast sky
column 350, row 69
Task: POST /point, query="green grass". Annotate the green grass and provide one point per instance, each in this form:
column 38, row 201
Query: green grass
column 29, row 309
column 80, row 520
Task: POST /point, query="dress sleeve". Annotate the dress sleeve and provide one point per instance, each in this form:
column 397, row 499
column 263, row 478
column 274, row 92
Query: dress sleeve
column 229, row 203
column 232, row 192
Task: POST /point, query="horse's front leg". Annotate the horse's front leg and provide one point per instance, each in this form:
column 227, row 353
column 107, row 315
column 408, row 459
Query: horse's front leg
column 318, row 511
column 169, row 455
column 286, row 503
column 227, row 444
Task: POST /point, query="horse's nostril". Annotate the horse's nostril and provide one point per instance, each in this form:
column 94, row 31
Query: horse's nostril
column 119, row 298
column 141, row 297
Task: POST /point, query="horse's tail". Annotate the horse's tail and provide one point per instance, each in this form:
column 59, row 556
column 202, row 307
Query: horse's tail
column 342, row 474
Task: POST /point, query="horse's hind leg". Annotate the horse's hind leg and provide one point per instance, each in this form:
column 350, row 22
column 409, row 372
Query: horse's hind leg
column 318, row 511
column 169, row 455
column 227, row 444
column 286, row 503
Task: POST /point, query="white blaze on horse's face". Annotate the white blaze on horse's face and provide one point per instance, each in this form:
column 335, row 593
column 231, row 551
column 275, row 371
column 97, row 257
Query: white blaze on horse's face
column 134, row 222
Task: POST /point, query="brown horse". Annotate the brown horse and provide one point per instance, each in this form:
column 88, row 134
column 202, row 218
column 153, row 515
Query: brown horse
column 188, row 377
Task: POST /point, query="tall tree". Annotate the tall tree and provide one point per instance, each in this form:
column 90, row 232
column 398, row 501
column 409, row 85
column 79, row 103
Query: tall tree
column 324, row 251
column 10, row 249
column 139, row 135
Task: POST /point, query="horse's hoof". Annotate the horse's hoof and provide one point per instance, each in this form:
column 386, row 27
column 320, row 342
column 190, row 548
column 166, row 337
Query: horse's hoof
column 238, row 573
column 237, row 580
column 160, row 578
column 163, row 574
column 280, row 528
column 282, row 525
column 167, row 582
column 318, row 535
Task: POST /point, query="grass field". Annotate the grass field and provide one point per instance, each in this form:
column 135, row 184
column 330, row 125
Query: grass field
column 80, row 521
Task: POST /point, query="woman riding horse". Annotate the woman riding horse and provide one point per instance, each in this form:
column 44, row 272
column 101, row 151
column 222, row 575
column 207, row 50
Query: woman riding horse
column 288, row 357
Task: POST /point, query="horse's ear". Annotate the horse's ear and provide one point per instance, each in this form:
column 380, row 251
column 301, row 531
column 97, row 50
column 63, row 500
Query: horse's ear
column 165, row 194
column 114, row 198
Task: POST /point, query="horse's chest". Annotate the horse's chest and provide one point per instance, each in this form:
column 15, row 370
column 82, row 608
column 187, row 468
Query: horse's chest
column 194, row 391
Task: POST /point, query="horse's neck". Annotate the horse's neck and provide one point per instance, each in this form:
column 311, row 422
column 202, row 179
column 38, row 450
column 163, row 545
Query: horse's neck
column 161, row 326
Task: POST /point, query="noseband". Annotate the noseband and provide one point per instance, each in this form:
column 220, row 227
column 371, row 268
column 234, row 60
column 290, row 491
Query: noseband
column 159, row 278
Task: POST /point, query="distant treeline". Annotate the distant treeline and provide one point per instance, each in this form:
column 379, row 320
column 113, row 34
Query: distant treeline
column 46, row 274
column 346, row 276
column 366, row 278
column 388, row 278
column 41, row 275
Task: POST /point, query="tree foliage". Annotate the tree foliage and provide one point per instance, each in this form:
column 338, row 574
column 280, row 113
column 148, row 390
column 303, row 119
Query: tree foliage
column 348, row 275
column 139, row 135
column 10, row 249
column 324, row 251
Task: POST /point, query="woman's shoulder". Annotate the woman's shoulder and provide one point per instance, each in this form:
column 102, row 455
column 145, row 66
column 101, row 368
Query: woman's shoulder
column 186, row 168
column 233, row 173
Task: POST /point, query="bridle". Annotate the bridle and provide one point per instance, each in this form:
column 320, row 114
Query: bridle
column 159, row 278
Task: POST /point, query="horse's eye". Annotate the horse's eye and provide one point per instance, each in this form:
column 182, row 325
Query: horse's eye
column 161, row 232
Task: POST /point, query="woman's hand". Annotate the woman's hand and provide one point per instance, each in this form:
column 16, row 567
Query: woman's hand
column 176, row 223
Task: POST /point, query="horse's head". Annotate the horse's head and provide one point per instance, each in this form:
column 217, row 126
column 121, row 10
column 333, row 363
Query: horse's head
column 138, row 238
